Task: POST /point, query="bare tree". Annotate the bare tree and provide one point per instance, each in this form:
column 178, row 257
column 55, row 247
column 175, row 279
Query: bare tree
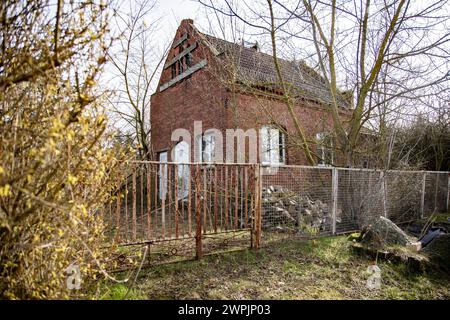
column 136, row 61
column 389, row 56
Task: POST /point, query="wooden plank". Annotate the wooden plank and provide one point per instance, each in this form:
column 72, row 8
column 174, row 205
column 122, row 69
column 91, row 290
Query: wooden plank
column 181, row 55
column 185, row 74
column 179, row 40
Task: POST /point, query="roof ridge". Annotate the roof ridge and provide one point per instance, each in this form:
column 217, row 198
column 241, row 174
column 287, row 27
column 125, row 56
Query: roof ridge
column 244, row 47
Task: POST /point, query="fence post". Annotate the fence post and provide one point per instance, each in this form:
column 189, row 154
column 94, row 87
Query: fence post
column 334, row 195
column 134, row 202
column 436, row 189
column 257, row 211
column 422, row 199
column 383, row 192
column 198, row 215
column 118, row 213
column 448, row 191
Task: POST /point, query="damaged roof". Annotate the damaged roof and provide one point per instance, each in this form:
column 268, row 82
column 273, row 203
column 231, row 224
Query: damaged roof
column 256, row 68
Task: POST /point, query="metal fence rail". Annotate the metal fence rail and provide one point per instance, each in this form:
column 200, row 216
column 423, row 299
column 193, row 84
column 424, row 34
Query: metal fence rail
column 157, row 202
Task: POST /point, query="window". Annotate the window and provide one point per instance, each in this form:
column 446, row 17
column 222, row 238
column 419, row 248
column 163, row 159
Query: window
column 180, row 66
column 174, row 71
column 182, row 155
column 188, row 60
column 207, row 145
column 325, row 149
column 162, row 175
column 273, row 148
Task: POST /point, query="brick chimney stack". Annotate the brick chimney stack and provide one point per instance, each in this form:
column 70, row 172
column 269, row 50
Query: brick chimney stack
column 187, row 22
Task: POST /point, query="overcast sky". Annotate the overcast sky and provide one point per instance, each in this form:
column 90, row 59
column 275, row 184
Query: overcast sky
column 170, row 13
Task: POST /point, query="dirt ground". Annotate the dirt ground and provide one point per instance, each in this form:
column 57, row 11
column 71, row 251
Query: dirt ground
column 325, row 268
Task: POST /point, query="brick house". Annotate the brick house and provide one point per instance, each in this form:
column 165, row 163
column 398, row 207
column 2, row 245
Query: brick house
column 227, row 86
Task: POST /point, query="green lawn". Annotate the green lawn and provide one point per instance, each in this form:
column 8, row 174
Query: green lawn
column 325, row 268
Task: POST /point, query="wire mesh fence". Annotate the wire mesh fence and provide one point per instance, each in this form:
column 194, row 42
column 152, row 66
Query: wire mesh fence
column 309, row 201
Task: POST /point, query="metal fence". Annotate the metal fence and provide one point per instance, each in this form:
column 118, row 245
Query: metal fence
column 324, row 200
column 202, row 207
column 187, row 204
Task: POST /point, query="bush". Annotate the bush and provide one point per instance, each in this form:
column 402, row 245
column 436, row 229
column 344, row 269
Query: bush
column 57, row 166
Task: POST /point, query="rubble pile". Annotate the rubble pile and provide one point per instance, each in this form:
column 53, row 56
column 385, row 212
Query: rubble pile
column 283, row 207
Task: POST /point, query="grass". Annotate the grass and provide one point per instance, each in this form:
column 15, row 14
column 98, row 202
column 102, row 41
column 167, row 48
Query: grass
column 443, row 218
column 325, row 268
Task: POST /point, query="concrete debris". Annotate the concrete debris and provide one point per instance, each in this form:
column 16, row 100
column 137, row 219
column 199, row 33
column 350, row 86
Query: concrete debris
column 283, row 207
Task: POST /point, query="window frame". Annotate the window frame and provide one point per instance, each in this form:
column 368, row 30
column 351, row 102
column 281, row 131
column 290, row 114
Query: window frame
column 321, row 139
column 278, row 146
column 163, row 178
column 202, row 147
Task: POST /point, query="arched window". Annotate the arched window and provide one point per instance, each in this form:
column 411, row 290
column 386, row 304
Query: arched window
column 207, row 147
column 273, row 145
column 162, row 175
column 183, row 156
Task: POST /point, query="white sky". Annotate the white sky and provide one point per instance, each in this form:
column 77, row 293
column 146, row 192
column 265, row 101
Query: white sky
column 174, row 11
column 171, row 12
column 168, row 14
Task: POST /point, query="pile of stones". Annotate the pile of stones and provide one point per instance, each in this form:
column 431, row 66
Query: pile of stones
column 283, row 208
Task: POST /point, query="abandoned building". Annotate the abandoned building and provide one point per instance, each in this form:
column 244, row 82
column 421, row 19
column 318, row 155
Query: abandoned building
column 227, row 85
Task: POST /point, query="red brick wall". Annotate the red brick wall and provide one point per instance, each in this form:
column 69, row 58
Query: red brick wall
column 202, row 97
column 252, row 112
column 196, row 98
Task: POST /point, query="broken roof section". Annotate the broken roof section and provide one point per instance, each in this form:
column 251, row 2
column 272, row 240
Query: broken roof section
column 257, row 69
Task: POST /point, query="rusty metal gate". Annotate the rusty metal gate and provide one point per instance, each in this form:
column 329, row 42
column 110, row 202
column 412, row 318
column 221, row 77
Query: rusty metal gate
column 186, row 209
